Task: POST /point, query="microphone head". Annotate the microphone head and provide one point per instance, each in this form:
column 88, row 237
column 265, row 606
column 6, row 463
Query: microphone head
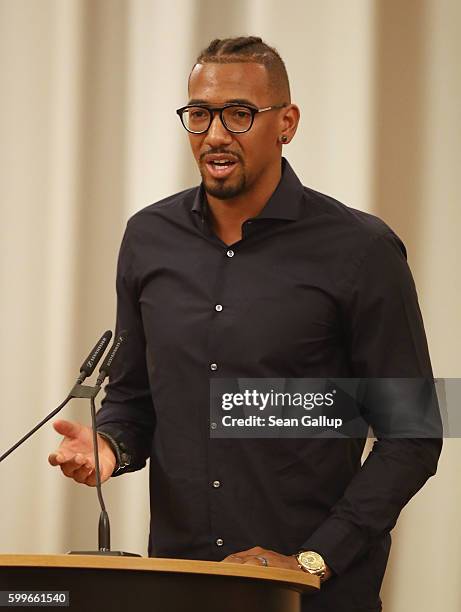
column 88, row 366
column 109, row 360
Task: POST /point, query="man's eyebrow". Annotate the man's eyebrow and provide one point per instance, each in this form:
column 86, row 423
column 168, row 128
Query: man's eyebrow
column 241, row 101
column 232, row 101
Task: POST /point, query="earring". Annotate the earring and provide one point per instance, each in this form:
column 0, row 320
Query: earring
column 283, row 138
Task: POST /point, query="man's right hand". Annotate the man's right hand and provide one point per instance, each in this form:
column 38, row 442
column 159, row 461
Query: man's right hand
column 75, row 453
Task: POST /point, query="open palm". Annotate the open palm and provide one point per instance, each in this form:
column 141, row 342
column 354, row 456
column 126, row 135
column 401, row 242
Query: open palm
column 75, row 453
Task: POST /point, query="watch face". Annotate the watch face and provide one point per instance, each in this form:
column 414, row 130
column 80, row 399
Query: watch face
column 311, row 561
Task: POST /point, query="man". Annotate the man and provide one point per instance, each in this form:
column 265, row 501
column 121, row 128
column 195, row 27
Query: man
column 253, row 275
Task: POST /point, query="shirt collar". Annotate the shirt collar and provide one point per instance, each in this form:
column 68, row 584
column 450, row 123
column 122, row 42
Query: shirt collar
column 284, row 203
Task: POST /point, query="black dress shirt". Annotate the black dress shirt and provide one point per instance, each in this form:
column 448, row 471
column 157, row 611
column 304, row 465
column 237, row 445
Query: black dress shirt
column 313, row 289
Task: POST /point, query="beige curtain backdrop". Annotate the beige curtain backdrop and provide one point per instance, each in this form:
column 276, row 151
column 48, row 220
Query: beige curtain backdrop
column 88, row 135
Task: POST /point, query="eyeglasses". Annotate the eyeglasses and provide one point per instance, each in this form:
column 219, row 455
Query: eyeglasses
column 237, row 118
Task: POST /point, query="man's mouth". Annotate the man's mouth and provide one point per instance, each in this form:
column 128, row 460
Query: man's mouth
column 220, row 167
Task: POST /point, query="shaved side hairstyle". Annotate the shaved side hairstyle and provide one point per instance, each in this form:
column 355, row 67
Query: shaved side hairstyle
column 250, row 49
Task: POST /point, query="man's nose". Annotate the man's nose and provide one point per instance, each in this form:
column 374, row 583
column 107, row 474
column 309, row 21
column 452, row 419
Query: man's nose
column 217, row 133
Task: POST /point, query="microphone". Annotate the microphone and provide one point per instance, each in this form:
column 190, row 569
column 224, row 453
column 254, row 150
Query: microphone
column 88, row 366
column 106, row 366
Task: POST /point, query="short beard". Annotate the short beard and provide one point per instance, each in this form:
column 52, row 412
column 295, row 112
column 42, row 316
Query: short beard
column 225, row 192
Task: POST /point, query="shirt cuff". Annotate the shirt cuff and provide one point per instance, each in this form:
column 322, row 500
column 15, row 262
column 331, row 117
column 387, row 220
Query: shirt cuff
column 122, row 456
column 339, row 542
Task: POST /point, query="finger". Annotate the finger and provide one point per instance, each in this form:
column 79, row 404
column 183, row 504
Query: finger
column 105, row 473
column 81, row 475
column 69, row 429
column 91, row 480
column 53, row 459
column 62, row 456
column 232, row 559
column 256, row 550
column 59, row 457
column 252, row 561
column 71, row 465
column 251, row 552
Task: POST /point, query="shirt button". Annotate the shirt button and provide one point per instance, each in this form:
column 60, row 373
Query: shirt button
column 218, row 307
column 213, row 366
column 216, row 484
column 230, row 253
column 213, row 426
column 219, row 542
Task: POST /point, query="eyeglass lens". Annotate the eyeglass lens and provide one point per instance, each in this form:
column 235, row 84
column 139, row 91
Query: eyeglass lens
column 235, row 118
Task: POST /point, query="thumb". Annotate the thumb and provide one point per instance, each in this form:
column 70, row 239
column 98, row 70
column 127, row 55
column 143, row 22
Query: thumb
column 69, row 429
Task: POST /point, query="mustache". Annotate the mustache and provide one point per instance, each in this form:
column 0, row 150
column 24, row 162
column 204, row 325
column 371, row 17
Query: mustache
column 220, row 152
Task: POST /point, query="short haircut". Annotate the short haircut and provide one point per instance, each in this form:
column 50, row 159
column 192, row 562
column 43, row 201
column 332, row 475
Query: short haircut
column 250, row 49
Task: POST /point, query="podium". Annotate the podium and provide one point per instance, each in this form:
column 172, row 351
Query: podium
column 127, row 584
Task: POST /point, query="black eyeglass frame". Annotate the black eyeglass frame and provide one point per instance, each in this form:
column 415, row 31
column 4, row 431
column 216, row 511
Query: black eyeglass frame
column 215, row 109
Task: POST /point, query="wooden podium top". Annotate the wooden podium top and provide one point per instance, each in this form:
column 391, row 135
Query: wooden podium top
column 298, row 581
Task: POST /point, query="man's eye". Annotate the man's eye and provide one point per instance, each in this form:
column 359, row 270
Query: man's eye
column 197, row 114
column 241, row 114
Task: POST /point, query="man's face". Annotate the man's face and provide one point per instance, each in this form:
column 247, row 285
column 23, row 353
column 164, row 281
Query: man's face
column 254, row 153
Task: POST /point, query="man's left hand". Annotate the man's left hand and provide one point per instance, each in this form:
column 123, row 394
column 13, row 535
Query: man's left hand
column 255, row 556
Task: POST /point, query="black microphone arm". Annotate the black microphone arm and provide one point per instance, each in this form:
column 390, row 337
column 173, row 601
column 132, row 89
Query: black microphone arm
column 87, row 369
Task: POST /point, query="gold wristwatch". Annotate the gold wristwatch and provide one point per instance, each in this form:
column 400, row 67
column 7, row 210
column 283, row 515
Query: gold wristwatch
column 311, row 562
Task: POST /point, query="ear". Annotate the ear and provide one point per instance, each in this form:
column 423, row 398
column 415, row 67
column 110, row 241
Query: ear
column 289, row 119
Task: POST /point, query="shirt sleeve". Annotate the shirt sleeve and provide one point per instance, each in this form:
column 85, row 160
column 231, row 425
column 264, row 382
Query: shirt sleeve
column 127, row 411
column 386, row 338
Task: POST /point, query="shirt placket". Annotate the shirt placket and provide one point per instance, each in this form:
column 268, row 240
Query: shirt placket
column 220, row 545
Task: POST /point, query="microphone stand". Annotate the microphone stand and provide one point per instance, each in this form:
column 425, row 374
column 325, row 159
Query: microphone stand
column 88, row 392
